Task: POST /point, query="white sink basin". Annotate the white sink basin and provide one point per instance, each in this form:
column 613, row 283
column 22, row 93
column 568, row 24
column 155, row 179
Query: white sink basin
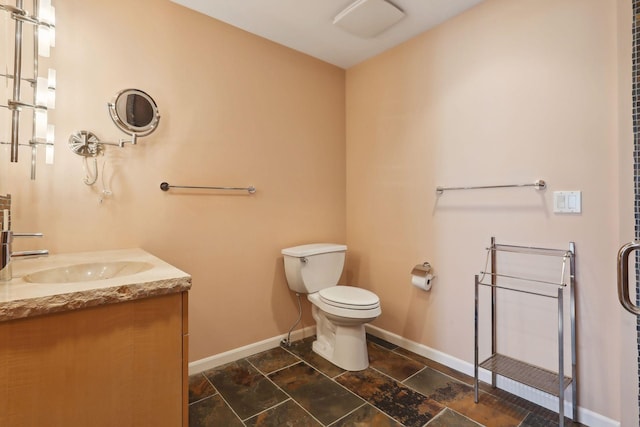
column 88, row 272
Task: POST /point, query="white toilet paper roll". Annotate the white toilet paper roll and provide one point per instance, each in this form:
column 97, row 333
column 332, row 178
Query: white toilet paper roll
column 422, row 282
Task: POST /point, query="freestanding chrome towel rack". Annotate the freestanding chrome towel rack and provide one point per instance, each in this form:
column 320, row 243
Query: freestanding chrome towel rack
column 553, row 383
column 165, row 186
column 539, row 185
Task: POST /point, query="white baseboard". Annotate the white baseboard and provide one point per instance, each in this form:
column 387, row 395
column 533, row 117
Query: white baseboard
column 216, row 360
column 585, row 416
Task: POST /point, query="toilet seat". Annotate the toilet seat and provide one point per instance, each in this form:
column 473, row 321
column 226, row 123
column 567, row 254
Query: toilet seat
column 352, row 312
column 349, row 297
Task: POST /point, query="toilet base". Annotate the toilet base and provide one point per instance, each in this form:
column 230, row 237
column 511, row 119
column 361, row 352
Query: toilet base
column 343, row 345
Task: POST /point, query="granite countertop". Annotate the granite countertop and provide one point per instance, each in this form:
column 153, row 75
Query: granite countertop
column 20, row 299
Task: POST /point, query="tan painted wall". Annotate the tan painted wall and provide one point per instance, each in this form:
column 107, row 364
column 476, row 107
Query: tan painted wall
column 236, row 110
column 509, row 92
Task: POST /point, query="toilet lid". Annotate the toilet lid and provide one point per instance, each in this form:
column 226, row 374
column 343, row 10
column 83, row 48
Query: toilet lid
column 349, row 297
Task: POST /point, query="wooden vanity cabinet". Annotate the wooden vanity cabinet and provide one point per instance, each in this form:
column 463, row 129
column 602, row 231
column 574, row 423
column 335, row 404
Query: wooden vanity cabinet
column 122, row 364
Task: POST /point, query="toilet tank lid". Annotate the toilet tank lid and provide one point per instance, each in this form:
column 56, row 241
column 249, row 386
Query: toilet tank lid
column 313, row 249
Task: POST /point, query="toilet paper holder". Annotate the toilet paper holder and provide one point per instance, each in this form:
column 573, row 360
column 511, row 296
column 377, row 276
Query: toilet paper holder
column 421, row 270
column 422, row 276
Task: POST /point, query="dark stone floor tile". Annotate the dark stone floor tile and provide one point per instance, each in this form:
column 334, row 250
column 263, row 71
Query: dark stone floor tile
column 538, row 412
column 449, row 418
column 366, row 416
column 199, row 387
column 395, row 399
column 272, row 360
column 212, row 412
column 381, row 342
column 390, row 363
column 321, row 397
column 433, row 395
column 534, row 420
column 246, row 390
column 489, row 411
column 303, row 349
column 287, row 414
column 437, row 366
column 428, row 381
column 458, row 396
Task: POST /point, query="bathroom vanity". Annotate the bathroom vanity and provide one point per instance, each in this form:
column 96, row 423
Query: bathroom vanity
column 103, row 343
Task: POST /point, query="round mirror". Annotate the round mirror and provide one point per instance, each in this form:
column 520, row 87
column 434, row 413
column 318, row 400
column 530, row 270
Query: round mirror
column 134, row 112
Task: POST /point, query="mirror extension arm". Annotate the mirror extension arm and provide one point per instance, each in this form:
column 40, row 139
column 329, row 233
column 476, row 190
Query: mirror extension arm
column 121, row 142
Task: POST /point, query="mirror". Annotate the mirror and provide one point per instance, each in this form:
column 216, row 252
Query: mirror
column 134, row 112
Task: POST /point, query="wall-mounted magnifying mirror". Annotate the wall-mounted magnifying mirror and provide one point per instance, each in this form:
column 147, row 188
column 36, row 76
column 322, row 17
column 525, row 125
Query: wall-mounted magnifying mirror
column 134, row 112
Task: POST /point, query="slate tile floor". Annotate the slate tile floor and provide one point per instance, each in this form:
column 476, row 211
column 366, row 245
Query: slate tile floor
column 292, row 386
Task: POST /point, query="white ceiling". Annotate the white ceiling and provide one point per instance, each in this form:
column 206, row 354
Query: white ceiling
column 307, row 25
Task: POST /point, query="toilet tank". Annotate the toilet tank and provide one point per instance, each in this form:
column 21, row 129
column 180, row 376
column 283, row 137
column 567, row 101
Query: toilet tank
column 310, row 268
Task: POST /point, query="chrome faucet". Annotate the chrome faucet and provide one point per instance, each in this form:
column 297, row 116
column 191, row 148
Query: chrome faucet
column 6, row 253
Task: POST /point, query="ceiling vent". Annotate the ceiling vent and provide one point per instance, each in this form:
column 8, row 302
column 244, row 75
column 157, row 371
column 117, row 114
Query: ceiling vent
column 368, row 18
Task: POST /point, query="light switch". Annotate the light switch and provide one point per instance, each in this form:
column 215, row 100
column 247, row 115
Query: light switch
column 567, row 201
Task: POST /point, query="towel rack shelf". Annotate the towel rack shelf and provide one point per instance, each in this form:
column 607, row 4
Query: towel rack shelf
column 550, row 382
column 165, row 186
column 536, row 377
column 538, row 185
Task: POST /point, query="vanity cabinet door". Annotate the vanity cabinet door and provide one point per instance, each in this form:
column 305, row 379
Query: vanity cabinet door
column 113, row 365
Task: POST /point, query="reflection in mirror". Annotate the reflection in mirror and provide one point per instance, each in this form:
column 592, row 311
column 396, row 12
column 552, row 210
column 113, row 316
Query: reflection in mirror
column 134, row 112
column 139, row 111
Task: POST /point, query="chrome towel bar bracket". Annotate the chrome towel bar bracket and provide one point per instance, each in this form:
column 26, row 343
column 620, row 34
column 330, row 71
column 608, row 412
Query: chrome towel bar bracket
column 165, row 187
column 539, row 185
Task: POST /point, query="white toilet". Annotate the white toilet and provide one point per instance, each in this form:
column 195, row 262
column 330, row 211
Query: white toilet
column 340, row 312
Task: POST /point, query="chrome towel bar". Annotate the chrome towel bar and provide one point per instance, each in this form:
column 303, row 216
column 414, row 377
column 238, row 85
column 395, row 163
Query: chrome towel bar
column 539, row 185
column 165, row 187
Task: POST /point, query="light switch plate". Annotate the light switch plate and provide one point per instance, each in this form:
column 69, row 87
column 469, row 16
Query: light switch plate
column 567, row 201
